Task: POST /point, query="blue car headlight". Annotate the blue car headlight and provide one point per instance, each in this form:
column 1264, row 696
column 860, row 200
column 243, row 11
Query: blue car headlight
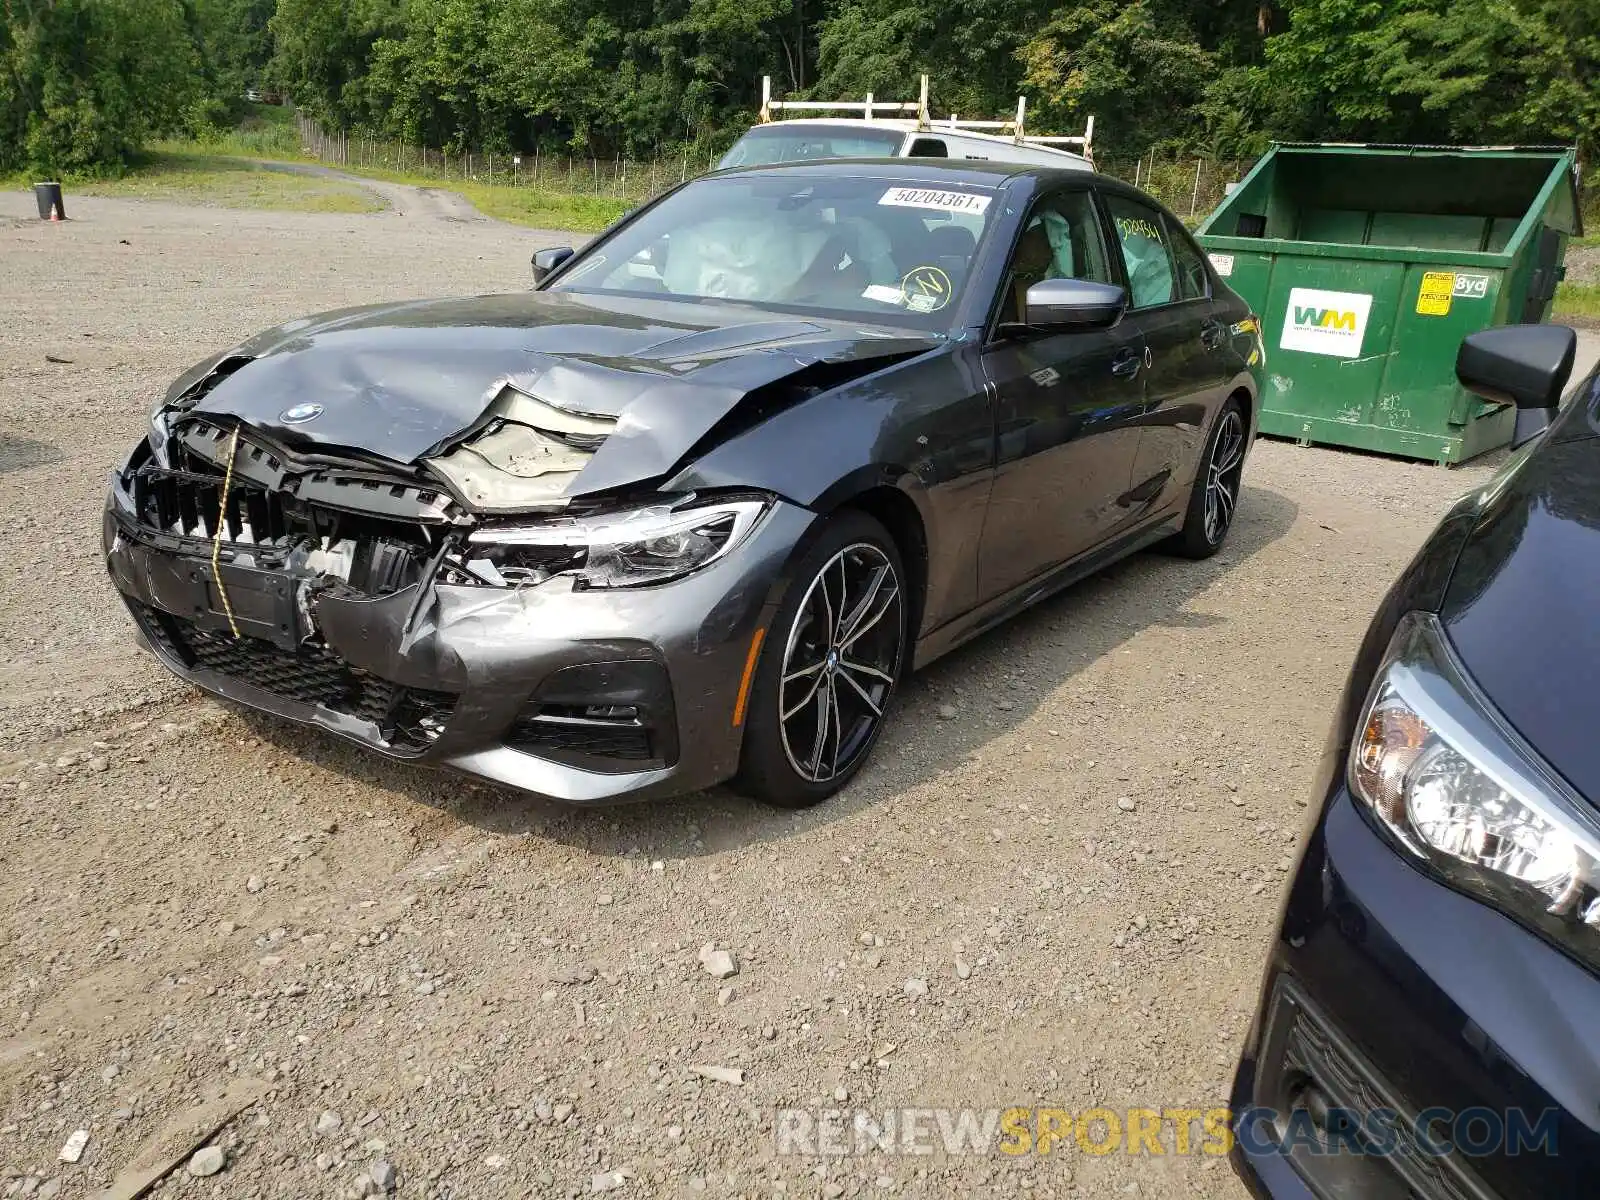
column 1455, row 786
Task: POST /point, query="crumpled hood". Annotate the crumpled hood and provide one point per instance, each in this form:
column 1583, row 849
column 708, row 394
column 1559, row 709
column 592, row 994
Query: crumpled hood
column 403, row 381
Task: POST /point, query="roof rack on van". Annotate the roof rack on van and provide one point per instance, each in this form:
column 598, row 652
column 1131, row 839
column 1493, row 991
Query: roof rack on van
column 871, row 108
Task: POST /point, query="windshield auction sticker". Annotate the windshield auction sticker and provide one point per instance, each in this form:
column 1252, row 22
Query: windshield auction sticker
column 1331, row 323
column 959, row 202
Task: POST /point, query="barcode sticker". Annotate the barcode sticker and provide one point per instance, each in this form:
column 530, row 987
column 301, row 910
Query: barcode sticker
column 962, row 202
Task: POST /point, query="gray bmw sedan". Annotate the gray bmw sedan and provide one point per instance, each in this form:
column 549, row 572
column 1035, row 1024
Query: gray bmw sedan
column 689, row 510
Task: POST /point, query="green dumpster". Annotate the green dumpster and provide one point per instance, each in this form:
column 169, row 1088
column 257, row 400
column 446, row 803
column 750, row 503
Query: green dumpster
column 1369, row 264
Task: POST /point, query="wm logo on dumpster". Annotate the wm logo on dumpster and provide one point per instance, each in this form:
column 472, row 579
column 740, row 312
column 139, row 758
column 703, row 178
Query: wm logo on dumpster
column 1331, row 323
column 1325, row 318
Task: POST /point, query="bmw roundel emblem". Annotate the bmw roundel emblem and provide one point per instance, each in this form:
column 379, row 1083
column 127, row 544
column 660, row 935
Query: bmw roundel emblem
column 300, row 414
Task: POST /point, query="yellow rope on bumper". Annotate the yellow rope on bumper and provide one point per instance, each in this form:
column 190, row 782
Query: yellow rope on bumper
column 216, row 540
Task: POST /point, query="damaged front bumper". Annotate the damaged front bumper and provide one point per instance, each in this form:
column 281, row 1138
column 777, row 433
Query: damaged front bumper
column 582, row 696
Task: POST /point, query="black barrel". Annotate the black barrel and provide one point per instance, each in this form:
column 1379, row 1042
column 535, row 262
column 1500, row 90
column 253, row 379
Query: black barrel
column 51, row 205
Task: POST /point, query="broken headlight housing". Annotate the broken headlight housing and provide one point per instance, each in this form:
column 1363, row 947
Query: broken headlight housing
column 1454, row 785
column 636, row 548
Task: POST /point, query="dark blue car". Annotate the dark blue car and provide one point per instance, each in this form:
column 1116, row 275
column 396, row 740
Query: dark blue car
column 1430, row 1013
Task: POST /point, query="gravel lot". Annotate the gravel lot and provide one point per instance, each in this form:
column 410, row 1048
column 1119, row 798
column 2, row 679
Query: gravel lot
column 1583, row 264
column 501, row 999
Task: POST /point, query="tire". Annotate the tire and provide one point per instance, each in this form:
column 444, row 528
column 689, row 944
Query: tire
column 836, row 690
column 1214, row 499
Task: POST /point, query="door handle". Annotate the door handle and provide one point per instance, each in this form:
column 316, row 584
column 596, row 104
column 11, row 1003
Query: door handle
column 1126, row 364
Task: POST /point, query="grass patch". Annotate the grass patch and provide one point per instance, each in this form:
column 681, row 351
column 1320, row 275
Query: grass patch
column 267, row 131
column 1577, row 300
column 542, row 210
column 224, row 169
column 533, row 207
column 191, row 174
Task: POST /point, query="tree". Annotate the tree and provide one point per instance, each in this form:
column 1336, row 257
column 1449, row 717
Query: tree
column 84, row 83
column 1136, row 65
column 235, row 41
column 1445, row 71
column 967, row 47
column 1561, row 99
column 324, row 51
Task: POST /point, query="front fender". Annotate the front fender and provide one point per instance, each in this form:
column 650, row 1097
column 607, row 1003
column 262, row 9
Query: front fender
column 921, row 428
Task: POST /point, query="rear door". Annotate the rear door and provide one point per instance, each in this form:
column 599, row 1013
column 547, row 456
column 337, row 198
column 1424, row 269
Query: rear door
column 1173, row 310
column 1066, row 407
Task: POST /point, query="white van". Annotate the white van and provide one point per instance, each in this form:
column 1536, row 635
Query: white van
column 873, row 136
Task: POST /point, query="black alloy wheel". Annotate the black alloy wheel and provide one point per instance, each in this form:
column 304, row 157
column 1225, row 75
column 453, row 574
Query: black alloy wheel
column 827, row 676
column 1214, row 499
column 1224, row 475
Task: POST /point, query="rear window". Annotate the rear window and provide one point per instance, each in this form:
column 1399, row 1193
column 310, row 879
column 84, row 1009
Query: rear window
column 767, row 144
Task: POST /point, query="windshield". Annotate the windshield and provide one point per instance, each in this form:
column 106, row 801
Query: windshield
column 840, row 246
column 767, row 144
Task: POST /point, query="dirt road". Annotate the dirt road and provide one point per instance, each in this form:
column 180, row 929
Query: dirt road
column 499, row 999
column 404, row 200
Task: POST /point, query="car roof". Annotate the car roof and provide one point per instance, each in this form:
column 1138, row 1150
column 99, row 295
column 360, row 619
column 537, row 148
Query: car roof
column 898, row 124
column 973, row 171
column 904, row 125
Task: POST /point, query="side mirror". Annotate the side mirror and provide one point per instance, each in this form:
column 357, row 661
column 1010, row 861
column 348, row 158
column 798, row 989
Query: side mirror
column 1524, row 365
column 545, row 262
column 1061, row 304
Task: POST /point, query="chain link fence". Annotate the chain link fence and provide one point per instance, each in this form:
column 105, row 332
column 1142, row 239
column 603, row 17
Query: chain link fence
column 1189, row 186
column 631, row 179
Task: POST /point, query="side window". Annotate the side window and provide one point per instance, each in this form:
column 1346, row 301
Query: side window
column 1152, row 278
column 928, row 148
column 1192, row 282
column 1061, row 240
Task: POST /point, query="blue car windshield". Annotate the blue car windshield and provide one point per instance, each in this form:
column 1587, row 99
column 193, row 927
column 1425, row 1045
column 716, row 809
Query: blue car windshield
column 895, row 252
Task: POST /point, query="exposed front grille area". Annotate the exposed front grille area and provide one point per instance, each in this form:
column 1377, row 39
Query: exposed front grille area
column 206, row 446
column 375, row 534
column 410, row 718
column 185, row 503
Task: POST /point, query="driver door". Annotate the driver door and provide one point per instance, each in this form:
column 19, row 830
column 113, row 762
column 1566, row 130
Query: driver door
column 1067, row 406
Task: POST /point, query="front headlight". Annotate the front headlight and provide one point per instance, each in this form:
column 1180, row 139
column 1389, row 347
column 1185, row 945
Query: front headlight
column 1459, row 788
column 617, row 550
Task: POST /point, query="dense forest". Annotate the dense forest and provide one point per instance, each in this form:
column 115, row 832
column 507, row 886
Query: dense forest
column 83, row 83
